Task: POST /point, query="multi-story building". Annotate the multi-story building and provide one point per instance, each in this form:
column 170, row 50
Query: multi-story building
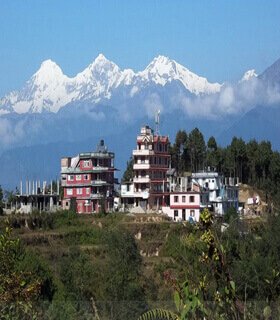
column 186, row 198
column 88, row 180
column 223, row 192
column 151, row 163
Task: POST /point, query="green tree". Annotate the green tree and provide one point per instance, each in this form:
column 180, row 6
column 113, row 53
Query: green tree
column 239, row 156
column 1, row 201
column 128, row 174
column 179, row 156
column 196, row 149
column 230, row 215
column 252, row 152
column 214, row 295
column 123, row 291
column 212, row 153
column 264, row 155
column 18, row 289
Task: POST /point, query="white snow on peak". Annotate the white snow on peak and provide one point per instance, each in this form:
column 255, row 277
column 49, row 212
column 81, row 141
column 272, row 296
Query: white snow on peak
column 248, row 75
column 101, row 58
column 162, row 70
column 49, row 89
column 45, row 91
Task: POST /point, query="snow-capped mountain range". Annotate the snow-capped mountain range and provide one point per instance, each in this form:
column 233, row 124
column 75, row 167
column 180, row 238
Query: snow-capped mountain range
column 49, row 89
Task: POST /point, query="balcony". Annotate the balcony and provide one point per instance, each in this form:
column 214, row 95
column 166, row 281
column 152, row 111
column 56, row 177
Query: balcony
column 97, row 196
column 144, row 152
column 99, row 183
column 141, row 166
column 142, row 194
column 63, row 183
column 78, row 170
column 145, row 179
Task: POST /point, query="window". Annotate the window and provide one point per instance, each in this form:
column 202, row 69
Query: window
column 78, row 177
column 69, row 191
column 192, row 213
column 175, row 213
column 175, row 198
column 79, row 191
column 88, row 190
column 86, row 163
column 71, row 177
column 191, row 198
column 86, row 177
column 183, row 198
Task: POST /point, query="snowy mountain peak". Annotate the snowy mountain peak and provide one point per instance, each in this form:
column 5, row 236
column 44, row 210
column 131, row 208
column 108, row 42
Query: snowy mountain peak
column 49, row 72
column 248, row 75
column 163, row 70
column 49, row 67
column 161, row 60
column 50, row 64
column 101, row 58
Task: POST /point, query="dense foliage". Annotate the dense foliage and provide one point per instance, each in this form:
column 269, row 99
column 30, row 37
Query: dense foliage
column 91, row 268
column 1, row 200
column 233, row 274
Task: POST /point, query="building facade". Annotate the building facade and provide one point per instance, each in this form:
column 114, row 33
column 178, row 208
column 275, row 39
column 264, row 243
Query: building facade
column 88, row 180
column 223, row 192
column 150, row 165
column 185, row 206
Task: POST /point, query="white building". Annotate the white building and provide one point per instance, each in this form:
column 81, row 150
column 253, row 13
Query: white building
column 223, row 192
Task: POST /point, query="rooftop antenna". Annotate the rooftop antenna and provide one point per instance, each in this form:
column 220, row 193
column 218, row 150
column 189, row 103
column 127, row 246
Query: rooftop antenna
column 157, row 121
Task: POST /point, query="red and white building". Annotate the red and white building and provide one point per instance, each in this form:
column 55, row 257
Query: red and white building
column 185, row 206
column 88, row 180
column 151, row 162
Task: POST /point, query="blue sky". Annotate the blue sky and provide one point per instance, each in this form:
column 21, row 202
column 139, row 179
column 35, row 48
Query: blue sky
column 216, row 39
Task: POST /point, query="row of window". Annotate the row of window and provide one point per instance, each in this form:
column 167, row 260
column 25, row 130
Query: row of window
column 78, row 177
column 157, row 146
column 191, row 199
column 159, row 160
column 79, row 191
column 71, row 177
column 183, row 213
column 151, row 174
column 152, row 160
column 97, row 162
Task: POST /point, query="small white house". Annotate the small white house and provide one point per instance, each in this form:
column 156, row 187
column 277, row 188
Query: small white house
column 186, row 205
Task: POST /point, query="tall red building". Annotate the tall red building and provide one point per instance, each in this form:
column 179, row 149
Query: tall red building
column 151, row 163
column 88, row 180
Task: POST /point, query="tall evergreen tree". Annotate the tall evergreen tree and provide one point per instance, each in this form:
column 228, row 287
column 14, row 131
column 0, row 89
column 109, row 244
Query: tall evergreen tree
column 179, row 156
column 196, row 149
column 128, row 174
column 212, row 153
column 1, row 200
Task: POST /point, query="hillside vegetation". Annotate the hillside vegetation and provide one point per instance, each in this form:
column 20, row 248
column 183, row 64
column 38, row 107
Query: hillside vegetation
column 119, row 266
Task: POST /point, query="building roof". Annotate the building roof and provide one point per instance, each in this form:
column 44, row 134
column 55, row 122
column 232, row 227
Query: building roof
column 205, row 174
